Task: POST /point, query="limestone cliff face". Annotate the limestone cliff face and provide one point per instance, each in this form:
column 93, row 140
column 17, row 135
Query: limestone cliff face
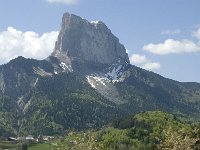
column 88, row 41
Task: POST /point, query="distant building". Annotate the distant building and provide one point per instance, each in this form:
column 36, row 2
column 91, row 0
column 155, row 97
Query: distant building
column 44, row 138
column 21, row 138
column 30, row 138
column 12, row 139
column 47, row 138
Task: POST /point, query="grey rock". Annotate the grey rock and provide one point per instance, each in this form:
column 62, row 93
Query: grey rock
column 80, row 39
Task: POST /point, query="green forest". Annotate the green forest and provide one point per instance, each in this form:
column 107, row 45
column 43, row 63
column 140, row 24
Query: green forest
column 151, row 130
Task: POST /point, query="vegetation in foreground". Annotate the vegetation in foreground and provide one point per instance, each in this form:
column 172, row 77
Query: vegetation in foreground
column 152, row 130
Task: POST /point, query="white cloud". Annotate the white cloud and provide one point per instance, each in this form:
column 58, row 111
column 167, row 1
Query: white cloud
column 137, row 59
column 143, row 62
column 171, row 32
column 197, row 34
column 171, row 46
column 151, row 66
column 28, row 44
column 67, row 2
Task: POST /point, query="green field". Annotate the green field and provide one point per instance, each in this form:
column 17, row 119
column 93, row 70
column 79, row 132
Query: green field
column 7, row 145
column 11, row 145
column 43, row 146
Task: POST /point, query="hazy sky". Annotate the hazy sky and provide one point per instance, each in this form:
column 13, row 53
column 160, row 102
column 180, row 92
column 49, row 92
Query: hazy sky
column 159, row 35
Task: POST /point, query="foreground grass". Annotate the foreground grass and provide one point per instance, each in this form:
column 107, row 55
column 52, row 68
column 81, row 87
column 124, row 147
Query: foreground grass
column 42, row 146
column 13, row 146
column 7, row 145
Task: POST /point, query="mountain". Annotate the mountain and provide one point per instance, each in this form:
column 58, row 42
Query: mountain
column 86, row 82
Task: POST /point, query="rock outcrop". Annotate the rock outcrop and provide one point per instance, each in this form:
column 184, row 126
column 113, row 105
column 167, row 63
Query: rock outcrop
column 93, row 42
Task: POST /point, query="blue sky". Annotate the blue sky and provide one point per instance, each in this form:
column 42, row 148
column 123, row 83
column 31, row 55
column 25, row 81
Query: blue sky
column 160, row 35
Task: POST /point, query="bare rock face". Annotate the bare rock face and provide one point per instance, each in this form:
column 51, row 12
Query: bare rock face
column 82, row 40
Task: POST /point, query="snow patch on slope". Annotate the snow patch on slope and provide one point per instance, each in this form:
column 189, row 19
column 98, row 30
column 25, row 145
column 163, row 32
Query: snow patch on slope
column 105, row 87
column 90, row 81
column 66, row 67
column 114, row 74
column 104, row 82
column 96, row 81
column 35, row 83
column 94, row 22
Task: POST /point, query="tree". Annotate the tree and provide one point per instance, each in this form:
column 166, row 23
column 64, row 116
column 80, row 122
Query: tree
column 177, row 140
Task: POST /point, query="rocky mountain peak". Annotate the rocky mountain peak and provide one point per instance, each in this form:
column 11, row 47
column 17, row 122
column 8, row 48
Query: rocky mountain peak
column 93, row 42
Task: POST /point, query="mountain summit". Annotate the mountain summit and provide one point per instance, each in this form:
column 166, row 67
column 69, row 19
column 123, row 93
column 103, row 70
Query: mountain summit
column 86, row 82
column 80, row 39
